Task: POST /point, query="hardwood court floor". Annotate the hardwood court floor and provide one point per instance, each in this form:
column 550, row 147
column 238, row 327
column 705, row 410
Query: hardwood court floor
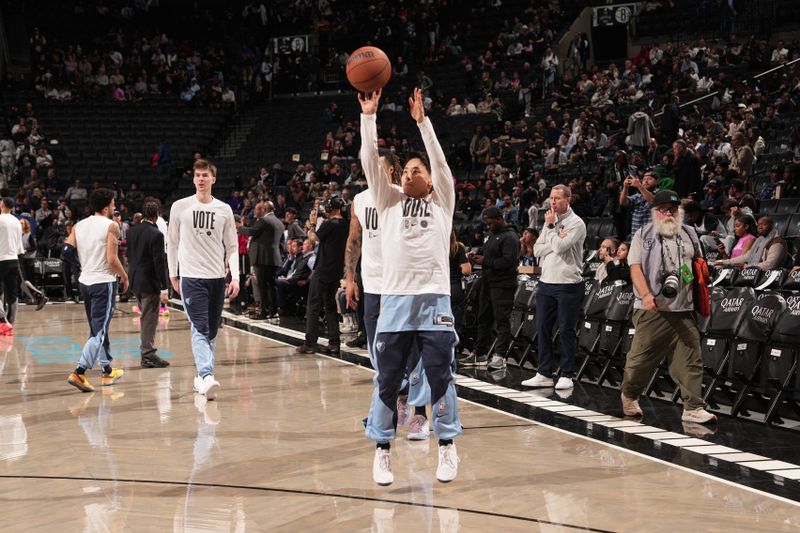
column 283, row 450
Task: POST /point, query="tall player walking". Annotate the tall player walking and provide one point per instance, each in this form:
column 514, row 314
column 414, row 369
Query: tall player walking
column 415, row 225
column 202, row 236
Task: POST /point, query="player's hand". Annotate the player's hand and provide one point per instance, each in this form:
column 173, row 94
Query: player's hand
column 369, row 102
column 550, row 216
column 124, row 282
column 176, row 284
column 416, row 106
column 649, row 303
column 233, row 289
column 353, row 296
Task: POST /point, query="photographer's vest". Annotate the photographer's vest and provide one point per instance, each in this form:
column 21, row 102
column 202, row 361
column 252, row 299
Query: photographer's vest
column 652, row 258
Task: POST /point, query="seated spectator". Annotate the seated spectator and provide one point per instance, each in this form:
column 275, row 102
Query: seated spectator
column 696, row 217
column 744, row 231
column 712, row 203
column 768, row 250
column 606, row 253
column 293, row 229
column 526, row 242
column 296, row 279
column 618, row 269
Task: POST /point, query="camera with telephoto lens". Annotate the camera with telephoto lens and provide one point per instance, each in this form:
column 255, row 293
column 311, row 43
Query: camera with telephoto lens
column 670, row 284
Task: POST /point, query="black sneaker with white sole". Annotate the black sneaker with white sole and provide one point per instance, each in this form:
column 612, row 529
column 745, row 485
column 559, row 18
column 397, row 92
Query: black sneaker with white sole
column 474, row 360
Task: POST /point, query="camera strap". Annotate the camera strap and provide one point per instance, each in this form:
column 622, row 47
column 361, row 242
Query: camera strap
column 677, row 266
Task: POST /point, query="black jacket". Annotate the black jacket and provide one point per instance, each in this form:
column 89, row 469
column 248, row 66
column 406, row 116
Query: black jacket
column 265, row 244
column 147, row 262
column 302, row 269
column 501, row 256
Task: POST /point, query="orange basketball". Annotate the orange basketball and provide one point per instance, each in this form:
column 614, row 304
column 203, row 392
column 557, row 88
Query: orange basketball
column 368, row 69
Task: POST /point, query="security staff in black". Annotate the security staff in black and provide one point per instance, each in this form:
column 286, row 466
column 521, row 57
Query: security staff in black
column 325, row 281
column 499, row 259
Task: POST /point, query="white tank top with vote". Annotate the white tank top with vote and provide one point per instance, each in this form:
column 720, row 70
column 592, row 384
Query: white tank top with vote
column 91, row 235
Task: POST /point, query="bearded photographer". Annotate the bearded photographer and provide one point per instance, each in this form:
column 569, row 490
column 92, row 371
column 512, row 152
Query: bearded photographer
column 661, row 269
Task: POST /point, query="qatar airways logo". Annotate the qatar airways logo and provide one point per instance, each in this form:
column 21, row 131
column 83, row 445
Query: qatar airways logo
column 625, row 298
column 762, row 314
column 731, row 305
column 793, row 303
column 605, row 292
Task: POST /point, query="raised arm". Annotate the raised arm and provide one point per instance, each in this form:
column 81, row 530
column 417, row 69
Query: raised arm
column 377, row 180
column 443, row 189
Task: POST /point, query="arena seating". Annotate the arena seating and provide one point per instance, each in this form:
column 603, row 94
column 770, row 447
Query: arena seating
column 751, row 343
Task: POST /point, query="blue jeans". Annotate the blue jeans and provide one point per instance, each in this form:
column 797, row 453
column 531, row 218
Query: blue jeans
column 562, row 302
column 203, row 300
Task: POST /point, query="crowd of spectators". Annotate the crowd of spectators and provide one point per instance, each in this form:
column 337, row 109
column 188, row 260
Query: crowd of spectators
column 611, row 133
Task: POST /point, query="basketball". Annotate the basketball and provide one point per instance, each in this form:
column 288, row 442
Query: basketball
column 368, row 69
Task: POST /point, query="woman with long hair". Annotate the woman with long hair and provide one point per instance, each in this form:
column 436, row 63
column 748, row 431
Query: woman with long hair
column 526, row 242
column 618, row 269
column 744, row 229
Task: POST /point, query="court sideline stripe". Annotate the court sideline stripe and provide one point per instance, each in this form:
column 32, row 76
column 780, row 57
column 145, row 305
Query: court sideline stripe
column 303, row 493
column 602, row 442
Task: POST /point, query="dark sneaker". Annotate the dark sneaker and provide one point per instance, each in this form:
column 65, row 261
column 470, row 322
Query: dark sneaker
column 358, row 342
column 154, row 361
column 305, row 348
column 41, row 300
column 474, row 360
column 331, row 349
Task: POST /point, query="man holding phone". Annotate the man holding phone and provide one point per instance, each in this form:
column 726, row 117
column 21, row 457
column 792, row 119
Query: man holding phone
column 640, row 201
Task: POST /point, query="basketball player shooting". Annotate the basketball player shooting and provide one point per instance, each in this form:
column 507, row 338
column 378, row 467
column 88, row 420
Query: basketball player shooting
column 415, row 223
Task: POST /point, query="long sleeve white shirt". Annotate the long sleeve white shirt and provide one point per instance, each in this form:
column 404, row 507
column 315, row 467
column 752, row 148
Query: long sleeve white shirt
column 201, row 237
column 415, row 232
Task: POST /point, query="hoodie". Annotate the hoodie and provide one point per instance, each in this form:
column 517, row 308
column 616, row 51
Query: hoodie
column 640, row 129
column 501, row 257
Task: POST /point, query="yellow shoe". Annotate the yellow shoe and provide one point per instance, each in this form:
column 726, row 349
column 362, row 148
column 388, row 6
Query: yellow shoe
column 113, row 377
column 80, row 382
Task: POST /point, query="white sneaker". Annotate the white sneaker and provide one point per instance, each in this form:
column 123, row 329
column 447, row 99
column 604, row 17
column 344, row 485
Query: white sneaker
column 198, row 384
column 699, row 416
column 564, row 383
column 210, row 387
column 382, row 467
column 448, row 463
column 538, row 381
column 419, row 429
